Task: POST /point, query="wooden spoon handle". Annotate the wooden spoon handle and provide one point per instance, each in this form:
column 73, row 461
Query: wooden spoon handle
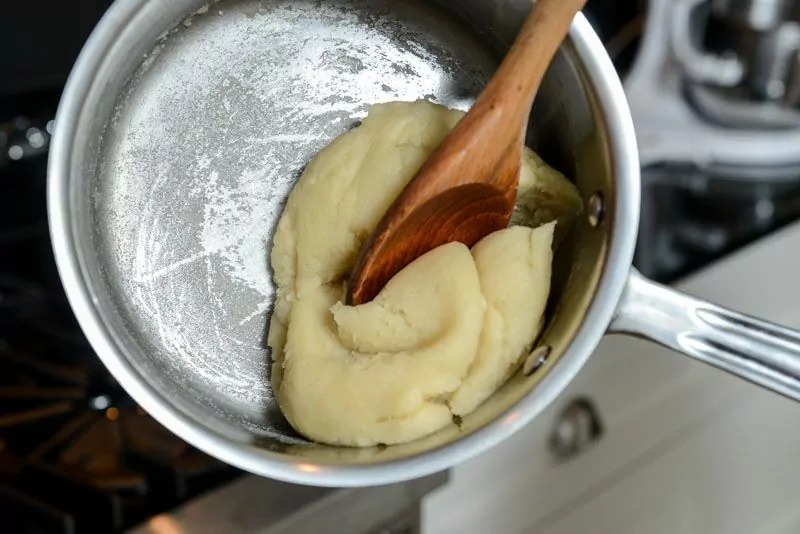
column 466, row 189
column 500, row 115
column 530, row 55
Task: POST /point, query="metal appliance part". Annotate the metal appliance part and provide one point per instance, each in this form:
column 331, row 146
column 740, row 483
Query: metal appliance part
column 726, row 106
column 714, row 96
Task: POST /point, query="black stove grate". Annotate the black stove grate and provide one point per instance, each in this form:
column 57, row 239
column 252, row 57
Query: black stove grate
column 76, row 453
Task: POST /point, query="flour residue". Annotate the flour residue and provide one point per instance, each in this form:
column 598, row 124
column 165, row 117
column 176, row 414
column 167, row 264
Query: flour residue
column 207, row 141
column 232, row 218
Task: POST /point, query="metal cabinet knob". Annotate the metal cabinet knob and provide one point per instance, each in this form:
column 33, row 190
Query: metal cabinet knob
column 576, row 429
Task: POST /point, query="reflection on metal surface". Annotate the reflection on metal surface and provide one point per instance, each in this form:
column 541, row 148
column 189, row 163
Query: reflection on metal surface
column 165, row 524
column 308, row 468
column 536, row 359
column 595, row 209
column 511, row 418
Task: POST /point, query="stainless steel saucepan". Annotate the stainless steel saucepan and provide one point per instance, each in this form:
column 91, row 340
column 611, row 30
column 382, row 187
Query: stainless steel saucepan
column 179, row 135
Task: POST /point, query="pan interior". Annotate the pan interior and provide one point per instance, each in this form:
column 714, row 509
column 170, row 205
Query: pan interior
column 202, row 148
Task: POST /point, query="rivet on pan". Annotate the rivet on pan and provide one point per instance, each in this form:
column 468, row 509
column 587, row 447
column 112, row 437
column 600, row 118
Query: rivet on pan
column 536, row 359
column 594, row 209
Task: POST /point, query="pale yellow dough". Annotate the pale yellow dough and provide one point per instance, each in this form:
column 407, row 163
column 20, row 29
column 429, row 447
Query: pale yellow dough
column 445, row 332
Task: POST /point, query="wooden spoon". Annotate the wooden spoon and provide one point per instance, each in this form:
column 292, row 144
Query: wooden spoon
column 467, row 188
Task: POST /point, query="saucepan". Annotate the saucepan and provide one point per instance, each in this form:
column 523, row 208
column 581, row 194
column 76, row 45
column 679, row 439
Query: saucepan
column 179, row 135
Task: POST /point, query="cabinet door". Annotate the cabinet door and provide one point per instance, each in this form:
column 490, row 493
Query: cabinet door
column 739, row 474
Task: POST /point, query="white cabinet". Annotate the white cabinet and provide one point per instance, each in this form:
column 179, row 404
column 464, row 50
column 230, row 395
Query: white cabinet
column 738, row 474
column 685, row 448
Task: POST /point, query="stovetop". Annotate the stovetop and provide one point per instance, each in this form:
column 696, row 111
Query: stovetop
column 77, row 455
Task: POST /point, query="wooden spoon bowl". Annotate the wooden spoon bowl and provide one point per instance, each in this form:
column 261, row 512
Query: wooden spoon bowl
column 467, row 188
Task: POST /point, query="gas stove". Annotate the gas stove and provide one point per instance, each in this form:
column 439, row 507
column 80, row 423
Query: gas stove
column 77, row 455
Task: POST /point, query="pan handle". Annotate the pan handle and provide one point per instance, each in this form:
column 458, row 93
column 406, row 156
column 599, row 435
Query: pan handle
column 761, row 352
